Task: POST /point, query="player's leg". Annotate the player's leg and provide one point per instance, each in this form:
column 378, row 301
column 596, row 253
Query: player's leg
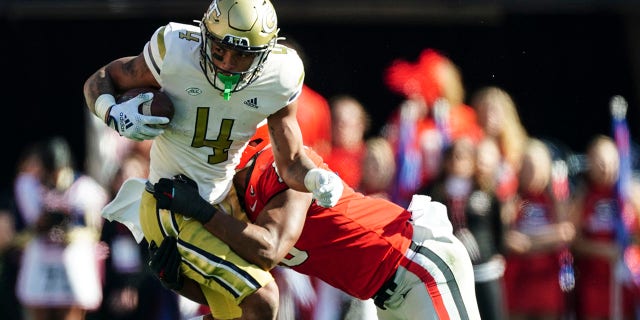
column 433, row 282
column 262, row 304
column 447, row 262
column 226, row 278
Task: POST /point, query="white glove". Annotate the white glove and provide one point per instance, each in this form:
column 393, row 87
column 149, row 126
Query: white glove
column 126, row 119
column 325, row 186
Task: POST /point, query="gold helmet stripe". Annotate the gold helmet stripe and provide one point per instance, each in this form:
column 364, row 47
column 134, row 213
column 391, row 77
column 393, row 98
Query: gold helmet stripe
column 161, row 47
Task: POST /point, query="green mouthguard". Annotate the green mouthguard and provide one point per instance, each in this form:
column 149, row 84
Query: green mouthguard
column 229, row 83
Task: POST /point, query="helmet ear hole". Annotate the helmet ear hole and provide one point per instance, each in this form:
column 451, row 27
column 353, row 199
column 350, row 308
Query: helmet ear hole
column 257, row 143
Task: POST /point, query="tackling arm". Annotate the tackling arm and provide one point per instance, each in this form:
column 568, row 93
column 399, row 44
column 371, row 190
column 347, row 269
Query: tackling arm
column 276, row 229
column 264, row 243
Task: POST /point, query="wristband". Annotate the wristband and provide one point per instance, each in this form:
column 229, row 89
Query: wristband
column 205, row 213
column 102, row 106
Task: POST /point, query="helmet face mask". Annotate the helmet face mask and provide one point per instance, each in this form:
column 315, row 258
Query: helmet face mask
column 248, row 27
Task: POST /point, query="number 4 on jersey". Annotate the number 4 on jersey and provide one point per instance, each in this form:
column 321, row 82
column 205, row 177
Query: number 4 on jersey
column 220, row 145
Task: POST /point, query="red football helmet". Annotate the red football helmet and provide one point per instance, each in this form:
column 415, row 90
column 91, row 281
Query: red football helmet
column 257, row 143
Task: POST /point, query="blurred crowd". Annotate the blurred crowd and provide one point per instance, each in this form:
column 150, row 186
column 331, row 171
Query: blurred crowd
column 551, row 232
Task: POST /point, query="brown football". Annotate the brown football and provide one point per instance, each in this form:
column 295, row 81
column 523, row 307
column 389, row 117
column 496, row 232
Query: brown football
column 160, row 105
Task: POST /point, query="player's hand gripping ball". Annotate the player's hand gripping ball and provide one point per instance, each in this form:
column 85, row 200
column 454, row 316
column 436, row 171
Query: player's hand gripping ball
column 159, row 106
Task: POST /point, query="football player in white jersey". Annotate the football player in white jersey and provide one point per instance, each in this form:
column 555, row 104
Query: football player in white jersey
column 224, row 77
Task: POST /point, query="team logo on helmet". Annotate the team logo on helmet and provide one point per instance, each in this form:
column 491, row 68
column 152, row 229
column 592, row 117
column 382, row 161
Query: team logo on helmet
column 270, row 20
column 213, row 7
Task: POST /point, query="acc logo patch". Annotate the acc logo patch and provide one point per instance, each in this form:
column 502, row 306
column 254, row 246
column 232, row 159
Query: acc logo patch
column 193, row 91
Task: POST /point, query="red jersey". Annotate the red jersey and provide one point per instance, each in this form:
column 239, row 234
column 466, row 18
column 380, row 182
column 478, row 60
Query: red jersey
column 354, row 246
column 427, row 145
column 599, row 214
column 593, row 282
column 347, row 164
column 536, row 271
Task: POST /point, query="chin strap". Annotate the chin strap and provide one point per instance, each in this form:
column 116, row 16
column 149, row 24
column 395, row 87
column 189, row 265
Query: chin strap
column 229, row 83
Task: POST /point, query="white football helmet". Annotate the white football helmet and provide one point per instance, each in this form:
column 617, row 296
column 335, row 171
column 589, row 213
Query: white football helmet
column 248, row 26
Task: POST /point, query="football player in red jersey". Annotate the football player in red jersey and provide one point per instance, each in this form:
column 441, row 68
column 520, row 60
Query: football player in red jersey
column 407, row 260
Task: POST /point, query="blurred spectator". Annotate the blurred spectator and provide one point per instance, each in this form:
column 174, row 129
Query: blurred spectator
column 486, row 225
column 130, row 290
column 595, row 210
column 106, row 150
column 498, row 117
column 9, row 261
column 350, row 123
column 314, row 115
column 432, row 115
column 314, row 118
column 467, row 188
column 455, row 182
column 299, row 295
column 378, row 168
column 59, row 272
column 28, row 187
column 537, row 238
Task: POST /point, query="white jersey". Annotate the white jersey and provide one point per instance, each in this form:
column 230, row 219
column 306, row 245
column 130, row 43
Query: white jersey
column 206, row 136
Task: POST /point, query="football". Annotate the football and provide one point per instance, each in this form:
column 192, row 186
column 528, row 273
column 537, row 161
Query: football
column 160, row 105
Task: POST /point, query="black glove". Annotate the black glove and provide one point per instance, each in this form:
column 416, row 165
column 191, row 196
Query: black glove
column 164, row 262
column 181, row 196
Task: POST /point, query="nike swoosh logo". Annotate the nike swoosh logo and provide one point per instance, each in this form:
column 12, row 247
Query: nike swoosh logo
column 253, row 207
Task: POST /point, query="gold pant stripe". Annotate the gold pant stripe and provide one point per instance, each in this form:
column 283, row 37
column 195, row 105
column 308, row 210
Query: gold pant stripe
column 205, row 263
column 167, row 223
column 225, row 278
